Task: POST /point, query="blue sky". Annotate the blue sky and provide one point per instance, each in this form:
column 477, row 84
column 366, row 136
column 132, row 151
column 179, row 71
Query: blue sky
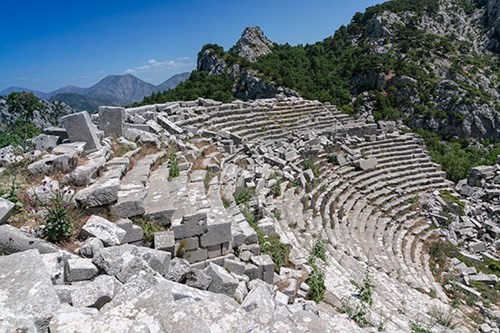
column 45, row 45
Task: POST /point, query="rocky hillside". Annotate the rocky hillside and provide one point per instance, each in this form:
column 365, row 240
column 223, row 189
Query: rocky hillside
column 429, row 63
column 278, row 215
column 23, row 115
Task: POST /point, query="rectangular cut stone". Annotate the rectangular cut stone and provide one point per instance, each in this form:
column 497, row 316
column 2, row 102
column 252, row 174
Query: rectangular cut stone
column 216, row 234
column 169, row 126
column 80, row 128
column 111, row 120
column 191, row 225
column 214, row 251
column 165, row 241
column 265, row 262
column 196, row 255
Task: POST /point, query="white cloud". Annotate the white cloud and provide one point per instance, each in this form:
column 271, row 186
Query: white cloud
column 153, row 65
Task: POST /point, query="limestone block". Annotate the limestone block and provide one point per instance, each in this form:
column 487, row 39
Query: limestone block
column 80, row 129
column 133, row 233
column 222, row 281
column 80, row 270
column 165, row 241
column 28, row 295
column 111, row 120
column 266, row 264
column 109, row 233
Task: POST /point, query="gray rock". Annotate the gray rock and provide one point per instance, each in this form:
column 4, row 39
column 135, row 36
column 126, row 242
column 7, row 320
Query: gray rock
column 96, row 293
column 54, row 265
column 87, row 173
column 28, row 295
column 108, row 232
column 222, row 281
column 73, row 149
column 56, row 131
column 65, row 292
column 260, row 297
column 114, row 260
column 134, row 233
column 165, row 241
column 99, row 194
column 216, row 234
column 80, row 270
column 179, row 269
column 14, row 240
column 367, row 164
column 266, row 266
column 45, row 142
column 233, row 266
column 111, row 120
column 52, row 163
column 81, row 129
column 71, row 320
column 6, row 209
column 91, row 247
column 198, row 279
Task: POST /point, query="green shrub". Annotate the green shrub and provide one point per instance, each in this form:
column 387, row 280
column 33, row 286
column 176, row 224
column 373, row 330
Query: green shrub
column 243, row 195
column 332, row 159
column 173, row 167
column 319, row 250
column 226, row 202
column 418, row 327
column 59, row 213
column 309, row 164
column 316, row 283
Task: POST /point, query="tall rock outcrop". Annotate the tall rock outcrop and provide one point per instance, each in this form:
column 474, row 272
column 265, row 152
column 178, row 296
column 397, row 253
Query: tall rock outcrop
column 253, row 44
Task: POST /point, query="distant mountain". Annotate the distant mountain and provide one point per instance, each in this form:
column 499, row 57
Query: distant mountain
column 80, row 102
column 112, row 90
column 67, row 90
column 121, row 89
column 10, row 90
column 173, row 82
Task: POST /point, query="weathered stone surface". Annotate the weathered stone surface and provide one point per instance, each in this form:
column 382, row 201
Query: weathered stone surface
column 80, row 270
column 134, row 233
column 81, row 129
column 99, row 193
column 117, row 260
column 72, row 148
column 179, row 268
column 54, row 265
column 111, row 120
column 28, row 298
column 367, row 164
column 87, row 173
column 96, row 293
column 198, row 279
column 165, row 241
column 222, row 281
column 191, row 225
column 266, row 265
column 14, row 240
column 90, row 247
column 260, row 297
column 109, row 233
column 234, row 266
column 71, row 320
column 45, row 142
column 216, row 234
column 51, row 163
column 6, row 209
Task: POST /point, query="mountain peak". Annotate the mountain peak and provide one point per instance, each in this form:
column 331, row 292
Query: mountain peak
column 253, row 44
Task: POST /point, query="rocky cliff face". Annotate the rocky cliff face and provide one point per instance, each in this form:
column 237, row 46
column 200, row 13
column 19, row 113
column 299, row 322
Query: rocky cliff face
column 253, row 44
column 29, row 108
column 454, row 90
column 248, row 83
